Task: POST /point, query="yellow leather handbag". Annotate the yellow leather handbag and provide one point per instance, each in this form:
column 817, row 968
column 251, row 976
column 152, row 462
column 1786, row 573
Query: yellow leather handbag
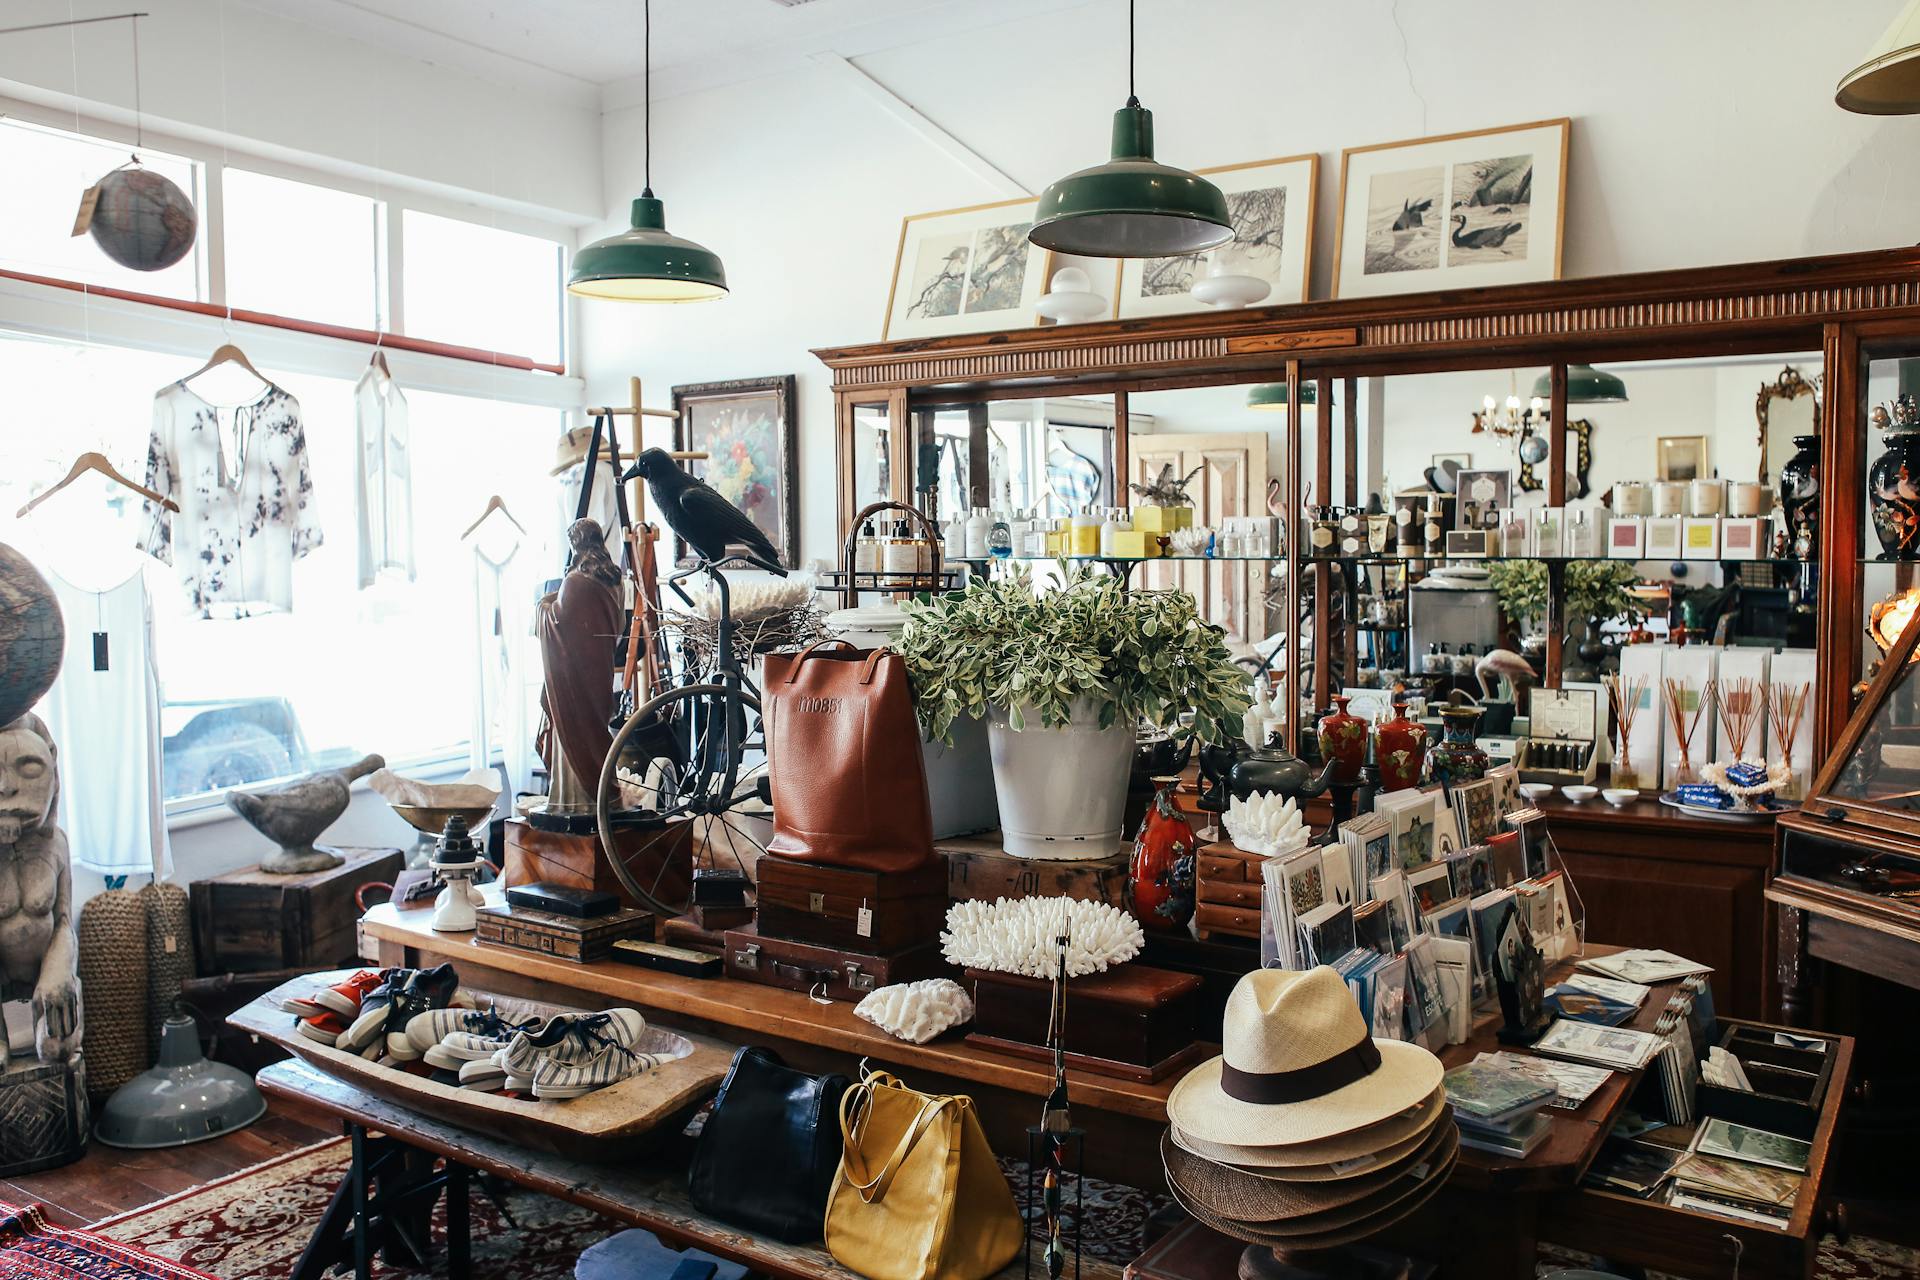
column 918, row 1195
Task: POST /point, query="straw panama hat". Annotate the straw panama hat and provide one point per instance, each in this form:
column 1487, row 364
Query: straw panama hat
column 1297, row 1066
column 1341, row 1156
column 1364, row 1220
column 1298, row 1207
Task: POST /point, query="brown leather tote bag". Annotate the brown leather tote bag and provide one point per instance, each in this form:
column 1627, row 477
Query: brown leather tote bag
column 843, row 746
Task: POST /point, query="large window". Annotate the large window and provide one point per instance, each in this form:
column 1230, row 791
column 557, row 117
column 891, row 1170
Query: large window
column 46, row 172
column 478, row 286
column 296, row 249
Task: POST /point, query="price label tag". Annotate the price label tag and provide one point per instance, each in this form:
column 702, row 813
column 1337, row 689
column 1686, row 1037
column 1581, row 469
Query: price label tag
column 863, row 922
column 171, row 944
column 89, row 201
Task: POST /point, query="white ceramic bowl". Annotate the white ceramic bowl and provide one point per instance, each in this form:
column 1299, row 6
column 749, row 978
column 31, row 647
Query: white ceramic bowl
column 1579, row 795
column 1536, row 791
column 1618, row 796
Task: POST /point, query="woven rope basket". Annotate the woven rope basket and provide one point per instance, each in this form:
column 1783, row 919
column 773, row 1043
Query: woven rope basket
column 113, row 988
column 169, row 952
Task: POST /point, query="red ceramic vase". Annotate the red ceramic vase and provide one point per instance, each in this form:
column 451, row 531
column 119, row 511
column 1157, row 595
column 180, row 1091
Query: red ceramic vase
column 1160, row 873
column 1400, row 748
column 1343, row 740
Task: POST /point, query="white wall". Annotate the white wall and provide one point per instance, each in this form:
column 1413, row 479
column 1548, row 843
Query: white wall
column 1703, row 133
column 221, row 70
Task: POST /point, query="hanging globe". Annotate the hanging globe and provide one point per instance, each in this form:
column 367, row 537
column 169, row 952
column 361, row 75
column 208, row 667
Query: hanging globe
column 1533, row 450
column 143, row 220
column 33, row 637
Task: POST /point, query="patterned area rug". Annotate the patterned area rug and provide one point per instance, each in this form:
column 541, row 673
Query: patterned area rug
column 31, row 1248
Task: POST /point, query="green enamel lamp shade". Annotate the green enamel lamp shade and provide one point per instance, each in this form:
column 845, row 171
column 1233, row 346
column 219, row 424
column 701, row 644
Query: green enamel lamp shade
column 646, row 263
column 1271, row 397
column 1585, row 385
column 1132, row 206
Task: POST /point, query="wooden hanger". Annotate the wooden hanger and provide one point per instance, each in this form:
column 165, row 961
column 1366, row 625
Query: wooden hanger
column 227, row 353
column 91, row 461
column 495, row 504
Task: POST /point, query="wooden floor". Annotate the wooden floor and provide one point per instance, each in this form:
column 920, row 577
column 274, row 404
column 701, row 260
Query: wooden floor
column 107, row 1181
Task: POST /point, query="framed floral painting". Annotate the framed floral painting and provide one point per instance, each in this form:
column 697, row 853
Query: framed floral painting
column 746, row 429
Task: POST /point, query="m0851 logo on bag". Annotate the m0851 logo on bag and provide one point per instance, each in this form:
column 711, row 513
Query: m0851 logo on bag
column 820, row 706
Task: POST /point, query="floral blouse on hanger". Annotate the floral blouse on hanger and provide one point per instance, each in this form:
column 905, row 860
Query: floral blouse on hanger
column 245, row 492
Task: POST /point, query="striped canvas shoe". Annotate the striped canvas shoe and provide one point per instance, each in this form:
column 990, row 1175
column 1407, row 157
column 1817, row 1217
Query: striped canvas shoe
column 570, row 1039
column 483, row 1074
column 438, row 1027
column 556, row 1081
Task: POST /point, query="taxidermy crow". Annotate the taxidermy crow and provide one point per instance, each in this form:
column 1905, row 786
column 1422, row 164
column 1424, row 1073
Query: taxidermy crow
column 693, row 509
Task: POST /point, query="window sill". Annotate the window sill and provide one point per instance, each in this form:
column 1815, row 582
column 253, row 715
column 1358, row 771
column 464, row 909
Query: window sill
column 204, row 810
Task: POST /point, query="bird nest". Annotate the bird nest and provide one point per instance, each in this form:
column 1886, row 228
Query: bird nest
column 775, row 630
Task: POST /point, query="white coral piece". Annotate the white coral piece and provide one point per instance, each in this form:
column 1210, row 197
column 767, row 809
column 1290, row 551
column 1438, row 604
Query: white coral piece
column 1266, row 824
column 917, row 1011
column 1016, row 935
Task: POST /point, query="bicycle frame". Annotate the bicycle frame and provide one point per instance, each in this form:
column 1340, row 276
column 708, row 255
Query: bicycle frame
column 727, row 672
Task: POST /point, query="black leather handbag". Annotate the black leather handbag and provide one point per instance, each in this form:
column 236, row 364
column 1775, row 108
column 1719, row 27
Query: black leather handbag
column 766, row 1158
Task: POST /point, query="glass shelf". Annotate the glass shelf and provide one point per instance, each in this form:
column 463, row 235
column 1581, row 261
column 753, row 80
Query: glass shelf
column 1388, row 561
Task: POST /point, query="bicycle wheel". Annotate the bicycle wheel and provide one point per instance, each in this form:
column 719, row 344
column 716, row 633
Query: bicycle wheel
column 680, row 789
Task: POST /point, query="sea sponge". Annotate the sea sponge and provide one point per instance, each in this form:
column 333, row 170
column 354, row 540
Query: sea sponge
column 1016, row 935
column 917, row 1011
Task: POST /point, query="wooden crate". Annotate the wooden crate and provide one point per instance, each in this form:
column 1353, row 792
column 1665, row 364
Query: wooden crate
column 979, row 868
column 251, row 921
column 1227, row 890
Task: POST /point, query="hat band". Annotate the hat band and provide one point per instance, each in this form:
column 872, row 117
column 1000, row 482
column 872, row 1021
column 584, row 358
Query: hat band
column 1302, row 1083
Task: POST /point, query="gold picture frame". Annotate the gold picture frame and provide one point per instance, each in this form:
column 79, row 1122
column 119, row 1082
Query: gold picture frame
column 1296, row 225
column 940, row 256
column 1412, row 252
column 1680, row 458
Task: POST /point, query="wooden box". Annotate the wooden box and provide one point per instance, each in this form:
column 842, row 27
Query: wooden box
column 867, row 911
column 574, row 861
column 1132, row 1021
column 1789, row 1082
column 582, row 940
column 251, row 921
column 826, row 971
column 43, row 1115
column 978, row 868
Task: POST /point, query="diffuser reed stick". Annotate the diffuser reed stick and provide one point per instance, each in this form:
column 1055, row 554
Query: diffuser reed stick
column 1685, row 723
column 1786, row 712
column 1625, row 699
column 1739, row 705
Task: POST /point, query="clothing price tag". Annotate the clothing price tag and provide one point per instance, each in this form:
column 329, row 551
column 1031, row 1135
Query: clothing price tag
column 863, row 922
column 89, row 201
column 99, row 651
column 171, row 944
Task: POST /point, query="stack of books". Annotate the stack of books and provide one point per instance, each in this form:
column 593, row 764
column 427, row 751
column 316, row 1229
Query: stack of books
column 1617, row 1048
column 1571, row 1082
column 1498, row 1110
column 1736, row 1172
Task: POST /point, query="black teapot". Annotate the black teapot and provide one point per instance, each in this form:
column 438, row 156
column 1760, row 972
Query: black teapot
column 1217, row 760
column 1276, row 770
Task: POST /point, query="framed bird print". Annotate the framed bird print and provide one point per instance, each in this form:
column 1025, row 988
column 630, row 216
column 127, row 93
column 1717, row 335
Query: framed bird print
column 1456, row 211
column 1270, row 203
column 965, row 271
column 746, row 428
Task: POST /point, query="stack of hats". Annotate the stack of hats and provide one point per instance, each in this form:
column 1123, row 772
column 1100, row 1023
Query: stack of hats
column 1306, row 1134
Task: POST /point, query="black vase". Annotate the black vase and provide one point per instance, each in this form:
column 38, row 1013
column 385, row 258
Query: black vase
column 1800, row 484
column 1894, row 487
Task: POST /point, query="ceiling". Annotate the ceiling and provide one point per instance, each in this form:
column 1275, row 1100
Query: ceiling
column 578, row 47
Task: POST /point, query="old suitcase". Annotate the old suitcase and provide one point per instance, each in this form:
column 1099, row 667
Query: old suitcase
column 252, row 921
column 583, row 940
column 574, row 861
column 826, row 971
column 1132, row 1021
column 980, row 869
column 871, row 912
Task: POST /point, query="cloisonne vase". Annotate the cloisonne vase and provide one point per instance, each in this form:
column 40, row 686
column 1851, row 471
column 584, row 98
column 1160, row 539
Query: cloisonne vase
column 1893, row 483
column 1161, row 871
column 1400, row 748
column 1800, row 485
column 1455, row 758
column 1343, row 740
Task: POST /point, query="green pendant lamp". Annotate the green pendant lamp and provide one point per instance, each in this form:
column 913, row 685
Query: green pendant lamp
column 1585, row 385
column 646, row 262
column 1132, row 206
column 1271, row 397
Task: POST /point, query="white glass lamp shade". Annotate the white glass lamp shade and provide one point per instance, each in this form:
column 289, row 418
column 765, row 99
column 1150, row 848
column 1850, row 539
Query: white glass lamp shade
column 1070, row 299
column 1227, row 291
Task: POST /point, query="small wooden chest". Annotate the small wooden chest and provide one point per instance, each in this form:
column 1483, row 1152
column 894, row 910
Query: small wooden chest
column 826, row 971
column 980, row 869
column 582, row 940
column 1132, row 1021
column 557, row 857
column 251, row 921
column 804, row 902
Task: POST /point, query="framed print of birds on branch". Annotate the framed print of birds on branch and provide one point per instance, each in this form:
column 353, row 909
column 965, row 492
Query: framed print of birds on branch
column 965, row 271
column 1452, row 212
column 746, row 428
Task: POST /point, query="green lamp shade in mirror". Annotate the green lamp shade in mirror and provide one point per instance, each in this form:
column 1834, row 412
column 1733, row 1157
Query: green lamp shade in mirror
column 646, row 263
column 1585, row 385
column 1271, row 397
column 1887, row 83
column 1132, row 206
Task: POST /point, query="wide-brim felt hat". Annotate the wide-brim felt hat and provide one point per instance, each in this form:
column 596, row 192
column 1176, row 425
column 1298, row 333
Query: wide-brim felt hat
column 1364, row 1219
column 1273, row 1205
column 1342, row 1156
column 1297, row 1065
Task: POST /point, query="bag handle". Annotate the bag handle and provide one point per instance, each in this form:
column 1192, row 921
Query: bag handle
column 603, row 424
column 875, row 1189
column 793, row 672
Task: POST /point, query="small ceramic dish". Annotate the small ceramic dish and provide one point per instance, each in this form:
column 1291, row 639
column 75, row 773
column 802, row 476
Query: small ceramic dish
column 1579, row 794
column 1536, row 791
column 1618, row 796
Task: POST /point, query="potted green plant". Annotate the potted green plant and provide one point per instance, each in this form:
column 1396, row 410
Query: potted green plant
column 1595, row 589
column 1062, row 676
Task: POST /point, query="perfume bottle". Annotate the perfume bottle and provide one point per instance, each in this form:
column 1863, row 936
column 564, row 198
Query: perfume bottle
column 999, row 538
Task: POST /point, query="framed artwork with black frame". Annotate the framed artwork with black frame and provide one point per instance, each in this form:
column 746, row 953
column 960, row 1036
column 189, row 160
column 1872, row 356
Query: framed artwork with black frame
column 747, row 429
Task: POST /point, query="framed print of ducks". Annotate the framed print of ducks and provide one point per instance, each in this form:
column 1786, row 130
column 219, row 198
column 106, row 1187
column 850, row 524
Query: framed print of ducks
column 1452, row 212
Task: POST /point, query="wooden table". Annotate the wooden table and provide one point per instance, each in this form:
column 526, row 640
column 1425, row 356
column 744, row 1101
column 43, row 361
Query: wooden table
column 649, row 1190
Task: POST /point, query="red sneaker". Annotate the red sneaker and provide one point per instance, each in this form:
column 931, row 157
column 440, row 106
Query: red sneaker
column 324, row 1027
column 341, row 999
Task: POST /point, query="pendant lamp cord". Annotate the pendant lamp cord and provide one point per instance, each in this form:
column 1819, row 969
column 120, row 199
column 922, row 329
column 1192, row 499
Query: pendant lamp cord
column 646, row 114
column 1133, row 99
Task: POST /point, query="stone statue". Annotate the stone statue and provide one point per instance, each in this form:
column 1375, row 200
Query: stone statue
column 37, row 948
column 579, row 627
column 293, row 815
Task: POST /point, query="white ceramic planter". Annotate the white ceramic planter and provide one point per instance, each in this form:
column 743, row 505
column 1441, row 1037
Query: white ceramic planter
column 1062, row 791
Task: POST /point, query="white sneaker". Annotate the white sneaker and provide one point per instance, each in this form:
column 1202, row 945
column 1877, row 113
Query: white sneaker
column 556, row 1081
column 438, row 1026
column 572, row 1039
